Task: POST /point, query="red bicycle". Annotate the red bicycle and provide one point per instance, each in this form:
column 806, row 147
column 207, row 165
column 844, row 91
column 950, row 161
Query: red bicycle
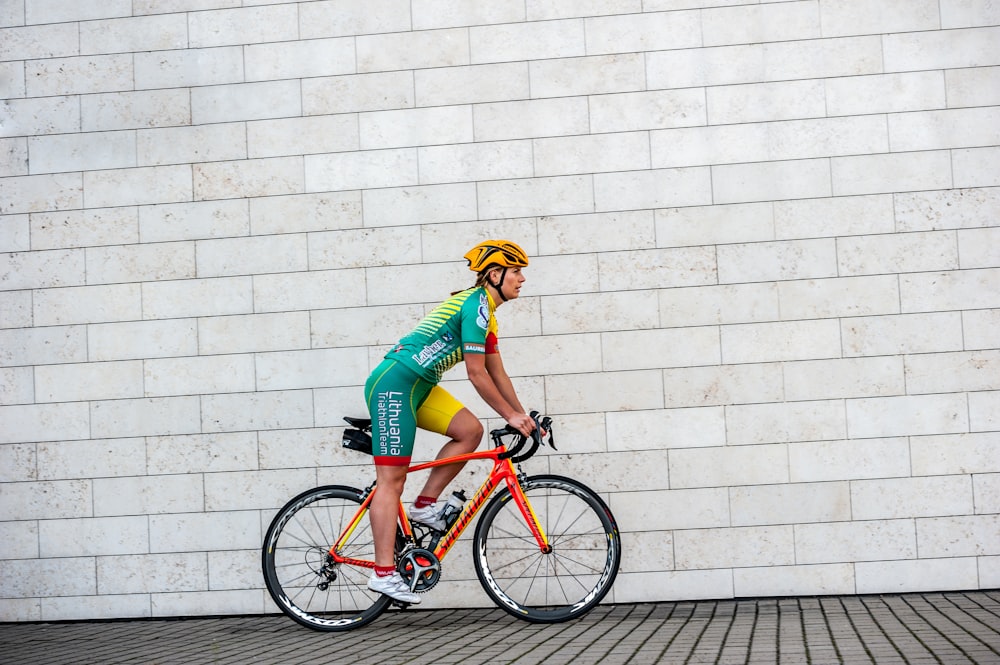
column 546, row 548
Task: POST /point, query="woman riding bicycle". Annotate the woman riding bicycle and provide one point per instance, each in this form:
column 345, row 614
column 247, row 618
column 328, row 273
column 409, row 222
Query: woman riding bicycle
column 403, row 393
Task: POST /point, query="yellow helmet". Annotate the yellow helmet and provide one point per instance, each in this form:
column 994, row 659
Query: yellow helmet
column 503, row 253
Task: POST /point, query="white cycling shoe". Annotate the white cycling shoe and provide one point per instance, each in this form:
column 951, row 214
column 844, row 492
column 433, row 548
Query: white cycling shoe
column 394, row 587
column 428, row 516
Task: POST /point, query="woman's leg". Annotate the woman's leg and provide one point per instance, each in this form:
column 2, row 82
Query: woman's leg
column 394, row 394
column 383, row 511
column 466, row 433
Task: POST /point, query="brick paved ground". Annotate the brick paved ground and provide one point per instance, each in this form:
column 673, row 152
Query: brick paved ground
column 930, row 628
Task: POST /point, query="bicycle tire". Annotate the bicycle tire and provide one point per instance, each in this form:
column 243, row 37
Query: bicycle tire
column 296, row 549
column 567, row 582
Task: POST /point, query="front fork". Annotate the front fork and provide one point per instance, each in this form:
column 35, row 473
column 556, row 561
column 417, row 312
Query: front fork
column 514, row 480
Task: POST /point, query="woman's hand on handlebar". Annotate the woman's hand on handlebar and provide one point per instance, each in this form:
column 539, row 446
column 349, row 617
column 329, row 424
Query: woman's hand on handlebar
column 522, row 422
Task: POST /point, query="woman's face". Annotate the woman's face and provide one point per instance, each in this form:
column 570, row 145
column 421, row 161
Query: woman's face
column 512, row 282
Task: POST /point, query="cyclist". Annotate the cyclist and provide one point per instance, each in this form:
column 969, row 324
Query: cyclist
column 403, row 393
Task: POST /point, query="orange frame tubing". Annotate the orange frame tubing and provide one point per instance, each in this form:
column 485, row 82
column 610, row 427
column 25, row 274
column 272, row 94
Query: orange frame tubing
column 502, row 472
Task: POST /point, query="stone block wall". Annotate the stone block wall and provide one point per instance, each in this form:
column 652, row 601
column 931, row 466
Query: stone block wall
column 763, row 305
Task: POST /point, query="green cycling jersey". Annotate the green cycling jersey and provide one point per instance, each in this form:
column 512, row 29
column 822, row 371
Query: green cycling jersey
column 464, row 323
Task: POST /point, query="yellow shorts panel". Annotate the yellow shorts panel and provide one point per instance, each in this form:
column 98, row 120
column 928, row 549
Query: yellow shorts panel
column 438, row 409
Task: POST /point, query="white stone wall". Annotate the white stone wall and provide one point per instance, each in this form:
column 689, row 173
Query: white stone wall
column 763, row 305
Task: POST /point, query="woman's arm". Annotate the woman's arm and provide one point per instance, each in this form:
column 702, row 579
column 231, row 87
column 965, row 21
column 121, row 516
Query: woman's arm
column 498, row 393
column 497, row 372
column 494, row 365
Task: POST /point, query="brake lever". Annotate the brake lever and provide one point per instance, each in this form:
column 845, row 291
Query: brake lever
column 536, row 434
column 546, row 425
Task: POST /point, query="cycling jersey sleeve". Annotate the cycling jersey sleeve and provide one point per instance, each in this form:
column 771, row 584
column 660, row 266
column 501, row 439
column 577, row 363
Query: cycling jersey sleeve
column 476, row 317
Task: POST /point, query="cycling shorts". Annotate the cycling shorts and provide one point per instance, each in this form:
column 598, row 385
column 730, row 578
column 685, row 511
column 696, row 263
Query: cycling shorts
column 399, row 402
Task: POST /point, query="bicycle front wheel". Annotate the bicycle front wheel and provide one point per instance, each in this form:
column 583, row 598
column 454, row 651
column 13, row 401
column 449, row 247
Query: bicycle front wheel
column 565, row 583
column 300, row 574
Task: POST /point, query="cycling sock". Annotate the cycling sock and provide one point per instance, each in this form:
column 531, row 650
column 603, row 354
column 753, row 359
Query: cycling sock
column 384, row 571
column 424, row 501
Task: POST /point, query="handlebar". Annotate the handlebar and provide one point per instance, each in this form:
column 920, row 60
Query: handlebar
column 514, row 452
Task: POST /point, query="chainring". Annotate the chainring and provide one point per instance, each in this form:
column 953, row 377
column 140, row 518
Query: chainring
column 420, row 568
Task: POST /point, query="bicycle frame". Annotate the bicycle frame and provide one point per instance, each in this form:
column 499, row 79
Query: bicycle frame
column 503, row 472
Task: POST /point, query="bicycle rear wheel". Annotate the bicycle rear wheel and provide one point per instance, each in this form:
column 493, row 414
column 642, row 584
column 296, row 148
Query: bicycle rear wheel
column 563, row 584
column 301, row 575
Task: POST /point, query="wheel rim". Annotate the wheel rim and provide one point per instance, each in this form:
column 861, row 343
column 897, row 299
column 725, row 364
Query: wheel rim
column 556, row 586
column 300, row 574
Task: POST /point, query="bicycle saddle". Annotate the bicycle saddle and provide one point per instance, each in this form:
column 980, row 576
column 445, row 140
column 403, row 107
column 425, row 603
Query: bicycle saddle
column 360, row 423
